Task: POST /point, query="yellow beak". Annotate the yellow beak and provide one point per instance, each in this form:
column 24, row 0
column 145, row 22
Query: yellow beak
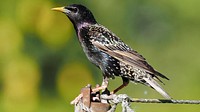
column 60, row 9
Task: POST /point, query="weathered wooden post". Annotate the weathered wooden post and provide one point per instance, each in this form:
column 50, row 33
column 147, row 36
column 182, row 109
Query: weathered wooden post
column 86, row 104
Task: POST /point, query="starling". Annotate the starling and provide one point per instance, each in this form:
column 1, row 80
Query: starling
column 109, row 53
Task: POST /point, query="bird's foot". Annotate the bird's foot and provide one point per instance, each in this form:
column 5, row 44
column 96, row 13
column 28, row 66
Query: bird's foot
column 99, row 88
column 95, row 93
column 77, row 99
column 112, row 92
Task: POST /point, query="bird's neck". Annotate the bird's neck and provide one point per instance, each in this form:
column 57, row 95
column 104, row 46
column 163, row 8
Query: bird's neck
column 78, row 27
column 82, row 25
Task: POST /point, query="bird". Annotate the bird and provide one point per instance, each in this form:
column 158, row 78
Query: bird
column 109, row 53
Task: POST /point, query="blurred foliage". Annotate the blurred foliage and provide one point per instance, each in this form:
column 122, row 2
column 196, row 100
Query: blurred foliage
column 42, row 66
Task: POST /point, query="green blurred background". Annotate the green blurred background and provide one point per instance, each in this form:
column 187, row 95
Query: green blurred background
column 43, row 67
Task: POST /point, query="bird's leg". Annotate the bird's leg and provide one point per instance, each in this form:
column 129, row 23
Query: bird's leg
column 103, row 86
column 125, row 83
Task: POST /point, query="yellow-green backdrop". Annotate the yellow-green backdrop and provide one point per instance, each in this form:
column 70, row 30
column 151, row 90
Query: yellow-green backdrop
column 42, row 66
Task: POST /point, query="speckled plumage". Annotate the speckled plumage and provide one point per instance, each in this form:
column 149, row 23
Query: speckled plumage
column 104, row 49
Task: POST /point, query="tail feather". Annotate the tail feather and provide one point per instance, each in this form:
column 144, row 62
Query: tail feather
column 157, row 87
column 161, row 75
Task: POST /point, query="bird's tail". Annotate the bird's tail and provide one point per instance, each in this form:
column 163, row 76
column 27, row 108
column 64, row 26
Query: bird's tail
column 157, row 87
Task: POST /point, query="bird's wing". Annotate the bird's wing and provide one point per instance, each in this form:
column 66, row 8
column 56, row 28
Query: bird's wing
column 126, row 56
column 113, row 46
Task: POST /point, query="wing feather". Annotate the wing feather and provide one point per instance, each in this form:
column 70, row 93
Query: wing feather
column 109, row 43
column 129, row 57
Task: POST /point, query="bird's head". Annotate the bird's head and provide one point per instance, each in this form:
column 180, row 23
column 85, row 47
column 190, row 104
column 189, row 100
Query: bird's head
column 78, row 14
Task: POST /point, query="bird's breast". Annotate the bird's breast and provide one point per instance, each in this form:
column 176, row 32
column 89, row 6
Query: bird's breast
column 92, row 53
column 108, row 64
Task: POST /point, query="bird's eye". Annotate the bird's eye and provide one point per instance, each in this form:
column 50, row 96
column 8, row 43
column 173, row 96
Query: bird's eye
column 74, row 10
